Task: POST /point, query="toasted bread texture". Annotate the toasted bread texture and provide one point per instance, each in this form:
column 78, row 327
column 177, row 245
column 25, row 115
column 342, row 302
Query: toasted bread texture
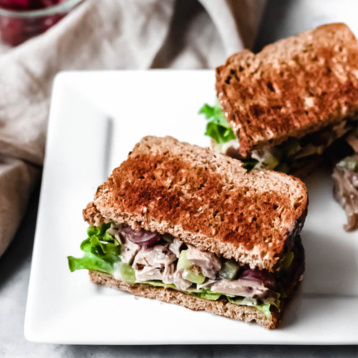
column 293, row 87
column 205, row 199
column 221, row 308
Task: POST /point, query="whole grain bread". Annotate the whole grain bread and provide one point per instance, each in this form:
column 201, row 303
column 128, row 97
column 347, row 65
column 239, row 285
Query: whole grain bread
column 221, row 308
column 205, row 199
column 293, row 87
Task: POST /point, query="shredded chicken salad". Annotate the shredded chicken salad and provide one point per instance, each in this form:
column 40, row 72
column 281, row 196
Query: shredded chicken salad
column 162, row 260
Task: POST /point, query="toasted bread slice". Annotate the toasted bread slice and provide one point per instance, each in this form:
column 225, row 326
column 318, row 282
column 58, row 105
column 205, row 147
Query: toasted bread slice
column 291, row 88
column 205, row 199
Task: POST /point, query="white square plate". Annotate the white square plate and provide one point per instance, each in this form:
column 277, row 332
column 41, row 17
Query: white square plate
column 95, row 120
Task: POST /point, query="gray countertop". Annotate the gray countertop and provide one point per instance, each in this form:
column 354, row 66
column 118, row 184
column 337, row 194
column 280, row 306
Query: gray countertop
column 281, row 19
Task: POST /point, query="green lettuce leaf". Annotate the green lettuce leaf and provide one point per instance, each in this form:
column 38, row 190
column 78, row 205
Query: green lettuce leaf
column 89, row 261
column 98, row 230
column 159, row 284
column 286, row 261
column 265, row 308
column 207, row 295
column 220, row 130
column 217, row 127
column 101, row 251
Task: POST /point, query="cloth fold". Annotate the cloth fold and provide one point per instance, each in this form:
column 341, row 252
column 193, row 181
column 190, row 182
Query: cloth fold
column 106, row 34
column 17, row 179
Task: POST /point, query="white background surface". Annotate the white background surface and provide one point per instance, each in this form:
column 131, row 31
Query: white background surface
column 95, row 120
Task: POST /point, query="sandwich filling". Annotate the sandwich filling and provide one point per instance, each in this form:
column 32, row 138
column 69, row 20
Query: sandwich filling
column 345, row 176
column 140, row 257
column 290, row 155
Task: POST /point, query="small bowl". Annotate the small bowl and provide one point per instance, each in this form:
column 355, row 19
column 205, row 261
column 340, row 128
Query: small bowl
column 17, row 26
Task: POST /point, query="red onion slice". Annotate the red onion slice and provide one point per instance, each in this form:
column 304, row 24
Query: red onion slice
column 141, row 238
column 261, row 276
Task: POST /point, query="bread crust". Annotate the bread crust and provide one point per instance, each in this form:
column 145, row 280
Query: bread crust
column 205, row 199
column 293, row 87
column 221, row 307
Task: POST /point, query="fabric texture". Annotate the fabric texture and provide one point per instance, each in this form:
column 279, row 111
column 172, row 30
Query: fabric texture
column 106, row 34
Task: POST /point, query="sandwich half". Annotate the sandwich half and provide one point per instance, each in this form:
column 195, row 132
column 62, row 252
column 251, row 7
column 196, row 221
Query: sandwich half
column 185, row 225
column 283, row 107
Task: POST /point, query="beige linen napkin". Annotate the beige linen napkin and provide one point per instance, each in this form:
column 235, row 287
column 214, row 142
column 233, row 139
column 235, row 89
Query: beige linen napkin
column 106, row 34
